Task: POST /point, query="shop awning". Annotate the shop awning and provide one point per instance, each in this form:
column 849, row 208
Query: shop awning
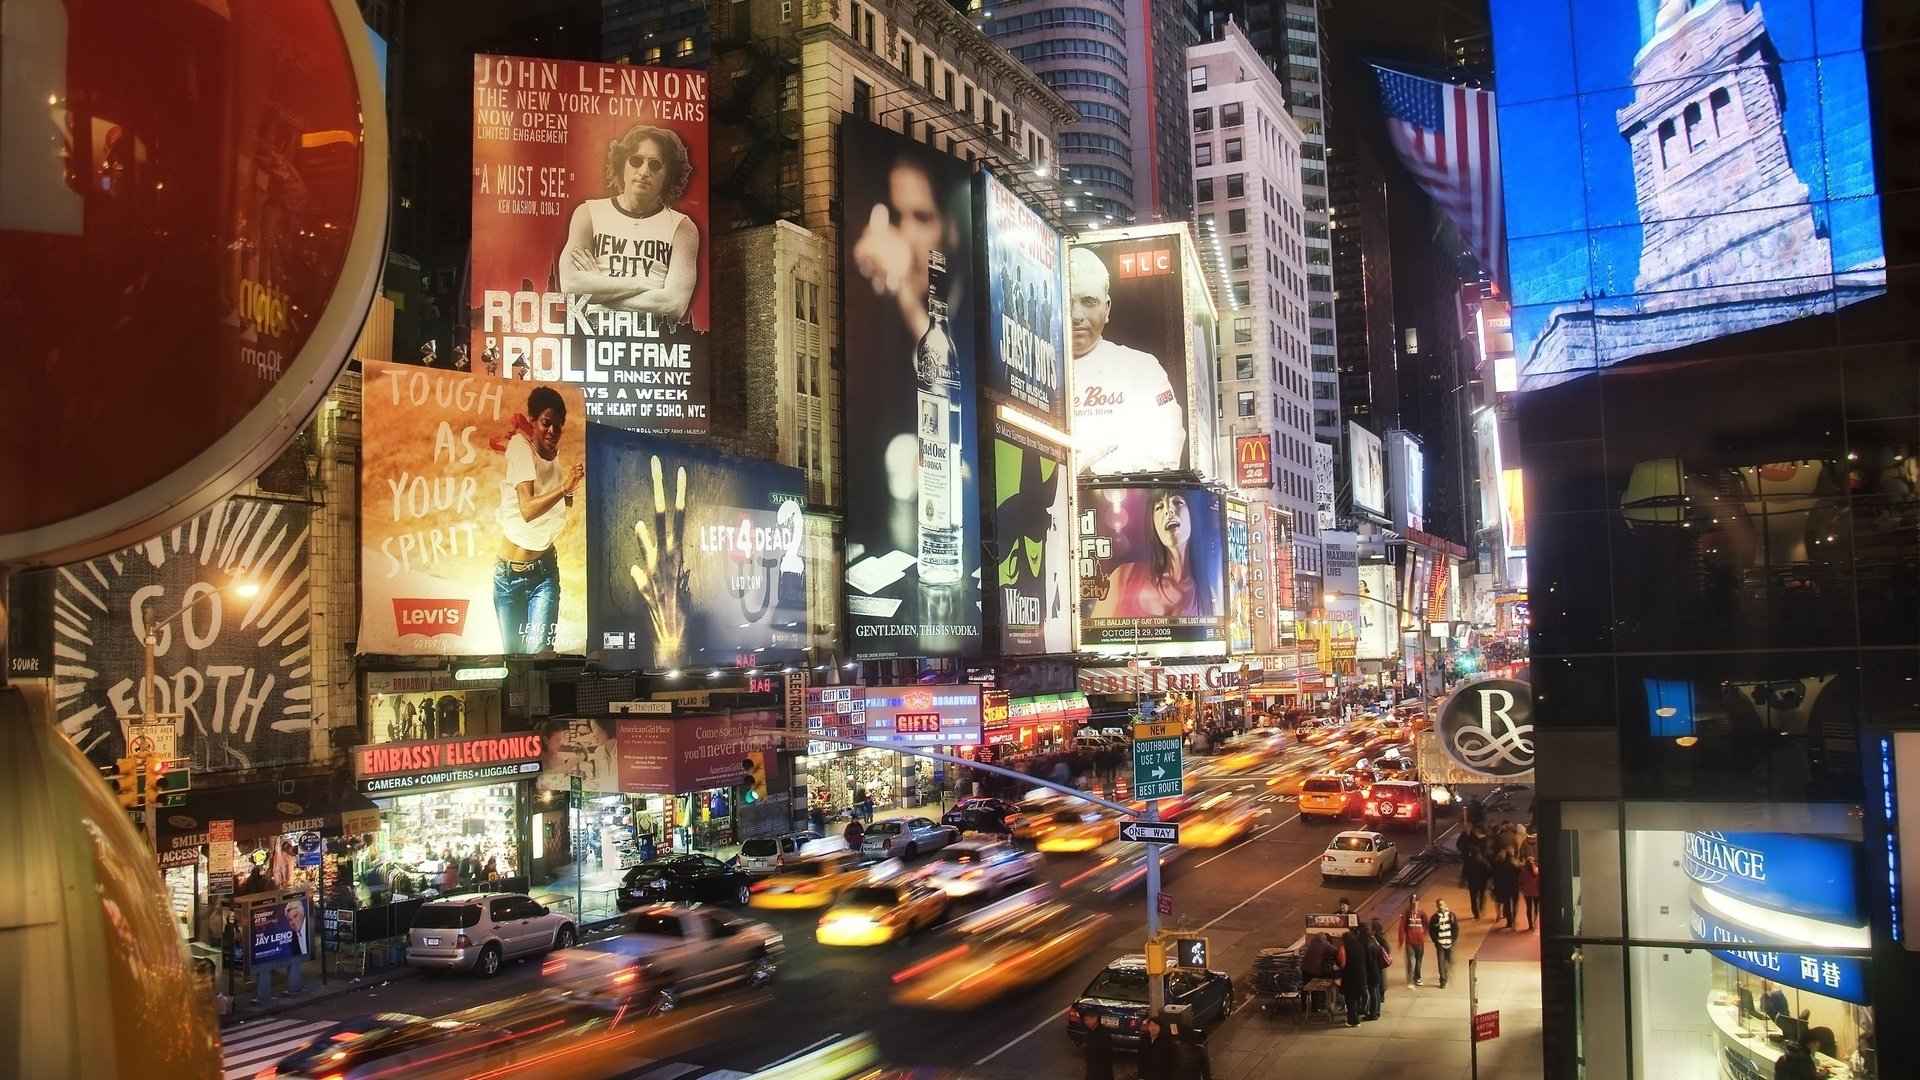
column 1048, row 709
column 259, row 811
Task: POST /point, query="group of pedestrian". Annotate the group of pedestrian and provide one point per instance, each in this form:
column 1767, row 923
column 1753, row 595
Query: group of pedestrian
column 1168, row 1051
column 1505, row 861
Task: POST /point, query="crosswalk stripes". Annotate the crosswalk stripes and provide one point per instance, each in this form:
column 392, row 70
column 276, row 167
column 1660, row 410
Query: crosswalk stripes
column 248, row 1048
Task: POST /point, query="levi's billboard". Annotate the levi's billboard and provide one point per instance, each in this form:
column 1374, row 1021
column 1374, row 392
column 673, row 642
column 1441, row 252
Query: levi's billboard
column 1253, row 455
column 473, row 536
column 411, row 766
column 590, row 234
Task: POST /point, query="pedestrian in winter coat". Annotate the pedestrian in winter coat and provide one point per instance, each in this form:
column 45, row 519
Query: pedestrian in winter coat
column 1376, row 972
column 1529, row 883
column 1478, row 871
column 1444, row 927
column 1506, row 884
column 1354, row 983
column 1098, row 1049
column 1321, row 958
column 855, row 832
column 1384, row 952
column 1187, row 1055
column 1156, row 1051
column 1413, row 938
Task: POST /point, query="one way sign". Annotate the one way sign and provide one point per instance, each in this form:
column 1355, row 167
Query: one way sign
column 1150, row 832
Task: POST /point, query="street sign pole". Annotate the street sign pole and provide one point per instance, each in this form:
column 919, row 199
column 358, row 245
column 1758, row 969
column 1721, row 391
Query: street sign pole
column 1156, row 984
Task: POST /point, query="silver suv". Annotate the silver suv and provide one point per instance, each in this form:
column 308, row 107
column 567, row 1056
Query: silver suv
column 762, row 855
column 480, row 931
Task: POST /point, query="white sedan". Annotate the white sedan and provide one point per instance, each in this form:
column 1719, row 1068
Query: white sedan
column 975, row 867
column 1359, row 853
column 903, row 838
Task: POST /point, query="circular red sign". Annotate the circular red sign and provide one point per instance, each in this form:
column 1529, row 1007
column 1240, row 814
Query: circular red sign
column 194, row 222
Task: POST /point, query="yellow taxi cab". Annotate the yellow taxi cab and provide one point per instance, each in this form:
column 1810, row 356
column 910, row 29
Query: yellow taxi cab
column 1028, row 947
column 809, row 883
column 1331, row 796
column 878, row 914
column 1217, row 820
column 1077, row 831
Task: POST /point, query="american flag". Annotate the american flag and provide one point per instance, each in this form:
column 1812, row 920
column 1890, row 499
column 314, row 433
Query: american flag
column 1447, row 135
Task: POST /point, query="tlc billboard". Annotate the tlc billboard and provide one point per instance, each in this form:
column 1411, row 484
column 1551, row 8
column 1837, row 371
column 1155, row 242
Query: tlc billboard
column 590, row 234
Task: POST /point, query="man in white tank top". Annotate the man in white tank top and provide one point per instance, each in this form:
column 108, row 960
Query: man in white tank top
column 632, row 251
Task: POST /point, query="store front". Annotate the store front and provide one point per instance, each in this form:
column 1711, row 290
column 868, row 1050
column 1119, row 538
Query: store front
column 1771, row 892
column 939, row 717
column 1039, row 724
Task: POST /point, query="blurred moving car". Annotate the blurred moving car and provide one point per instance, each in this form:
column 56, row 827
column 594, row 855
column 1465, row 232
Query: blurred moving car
column 1396, row 803
column 1329, row 796
column 1118, row 997
column 905, row 837
column 761, row 855
column 1077, row 829
column 879, row 914
column 977, row 867
column 1121, row 867
column 1359, row 853
column 696, row 878
column 1250, row 750
column 1217, row 820
column 1027, row 944
column 987, row 815
column 670, row 951
column 541, row 1027
column 809, row 883
column 481, row 931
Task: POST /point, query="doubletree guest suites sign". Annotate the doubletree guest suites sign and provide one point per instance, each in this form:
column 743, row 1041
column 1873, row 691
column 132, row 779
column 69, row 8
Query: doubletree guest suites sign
column 1486, row 727
column 434, row 763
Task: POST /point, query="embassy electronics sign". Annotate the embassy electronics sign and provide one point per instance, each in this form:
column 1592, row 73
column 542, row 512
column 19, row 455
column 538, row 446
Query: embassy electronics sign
column 1801, row 875
column 431, row 763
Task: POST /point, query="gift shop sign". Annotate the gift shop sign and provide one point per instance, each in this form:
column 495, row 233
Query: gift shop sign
column 429, row 763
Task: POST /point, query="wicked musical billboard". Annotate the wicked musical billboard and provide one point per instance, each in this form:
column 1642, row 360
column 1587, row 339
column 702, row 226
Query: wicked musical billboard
column 1032, row 514
column 473, row 538
column 695, row 557
column 912, row 456
column 590, row 234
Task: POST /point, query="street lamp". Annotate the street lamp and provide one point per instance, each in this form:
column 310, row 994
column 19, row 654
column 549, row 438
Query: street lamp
column 244, row 587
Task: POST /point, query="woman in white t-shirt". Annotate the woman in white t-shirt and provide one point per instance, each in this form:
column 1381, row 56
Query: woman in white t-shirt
column 534, row 497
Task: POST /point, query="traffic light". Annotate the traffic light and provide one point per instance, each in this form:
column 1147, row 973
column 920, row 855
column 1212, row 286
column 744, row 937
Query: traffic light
column 127, row 778
column 156, row 777
column 753, row 778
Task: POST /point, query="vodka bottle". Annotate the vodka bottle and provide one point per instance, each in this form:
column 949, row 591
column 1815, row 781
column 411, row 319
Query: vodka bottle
column 937, row 374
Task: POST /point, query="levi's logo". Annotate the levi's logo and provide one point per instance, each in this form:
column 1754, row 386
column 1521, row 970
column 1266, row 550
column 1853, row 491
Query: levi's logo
column 429, row 617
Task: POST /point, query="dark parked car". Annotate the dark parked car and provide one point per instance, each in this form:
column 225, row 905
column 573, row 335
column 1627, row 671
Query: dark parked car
column 997, row 816
column 700, row 878
column 1118, row 997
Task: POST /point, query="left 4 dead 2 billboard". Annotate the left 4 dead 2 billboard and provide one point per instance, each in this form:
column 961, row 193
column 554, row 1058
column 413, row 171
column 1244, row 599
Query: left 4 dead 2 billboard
column 473, row 537
column 697, row 557
column 590, row 214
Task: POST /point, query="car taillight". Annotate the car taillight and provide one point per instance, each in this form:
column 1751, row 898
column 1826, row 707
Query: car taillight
column 1371, row 808
column 463, row 941
column 759, row 886
column 779, row 861
column 1326, row 858
column 1365, row 859
column 887, row 844
column 1073, row 1015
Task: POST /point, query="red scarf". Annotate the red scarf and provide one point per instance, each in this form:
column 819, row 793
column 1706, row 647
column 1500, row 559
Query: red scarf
column 519, row 425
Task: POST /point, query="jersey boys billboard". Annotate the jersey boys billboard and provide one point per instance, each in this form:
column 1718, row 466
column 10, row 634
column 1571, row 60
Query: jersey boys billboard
column 695, row 557
column 1026, row 305
column 473, row 535
column 913, row 506
column 590, row 234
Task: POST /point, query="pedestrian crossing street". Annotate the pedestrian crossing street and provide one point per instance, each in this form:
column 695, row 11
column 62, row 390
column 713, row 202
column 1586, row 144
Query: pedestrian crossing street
column 250, row 1047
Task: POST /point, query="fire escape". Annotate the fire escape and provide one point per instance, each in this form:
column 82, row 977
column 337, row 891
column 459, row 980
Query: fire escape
column 756, row 176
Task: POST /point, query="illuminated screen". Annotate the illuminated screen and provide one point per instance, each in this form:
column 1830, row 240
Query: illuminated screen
column 1676, row 172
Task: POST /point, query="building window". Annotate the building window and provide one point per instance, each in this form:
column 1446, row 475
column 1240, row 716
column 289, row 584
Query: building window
column 786, row 10
column 966, row 97
column 1230, row 114
column 1237, row 221
column 862, row 100
column 1233, row 150
column 800, row 300
column 1723, row 116
column 1203, row 190
column 926, row 71
column 946, row 87
column 1242, row 293
column 866, row 37
column 1203, row 119
column 906, row 122
column 1197, row 79
column 1237, row 257
column 1246, row 403
column 1696, row 131
column 1237, row 186
column 1203, row 154
column 1412, row 337
column 1243, row 330
column 1243, row 366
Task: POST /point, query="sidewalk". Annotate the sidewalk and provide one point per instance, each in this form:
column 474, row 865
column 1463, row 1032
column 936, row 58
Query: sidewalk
column 1423, row 1032
column 312, row 990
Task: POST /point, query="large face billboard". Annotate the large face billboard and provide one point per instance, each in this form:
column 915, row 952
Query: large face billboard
column 237, row 670
column 695, row 557
column 1689, row 171
column 1151, row 569
column 913, row 511
column 1409, row 496
column 473, row 536
column 1367, row 465
column 1133, row 409
column 1486, row 439
column 1378, row 619
column 1026, row 306
column 590, row 234
column 1239, row 578
column 1032, row 515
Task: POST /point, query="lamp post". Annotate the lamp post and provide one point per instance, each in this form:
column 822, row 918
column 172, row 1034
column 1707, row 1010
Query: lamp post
column 242, row 587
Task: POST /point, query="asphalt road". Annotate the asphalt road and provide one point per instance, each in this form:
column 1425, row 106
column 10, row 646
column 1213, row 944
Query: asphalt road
column 1244, row 897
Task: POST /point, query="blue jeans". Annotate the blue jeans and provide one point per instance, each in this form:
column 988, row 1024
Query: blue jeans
column 526, row 597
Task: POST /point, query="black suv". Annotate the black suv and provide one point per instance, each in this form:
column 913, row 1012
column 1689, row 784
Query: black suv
column 684, row 877
column 992, row 816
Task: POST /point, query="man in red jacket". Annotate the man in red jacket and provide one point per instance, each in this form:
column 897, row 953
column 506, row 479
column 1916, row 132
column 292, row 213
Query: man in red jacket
column 1413, row 938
